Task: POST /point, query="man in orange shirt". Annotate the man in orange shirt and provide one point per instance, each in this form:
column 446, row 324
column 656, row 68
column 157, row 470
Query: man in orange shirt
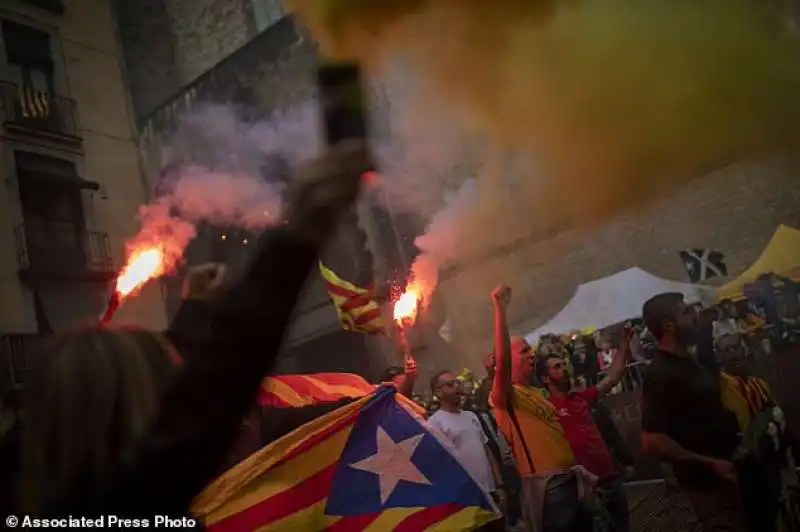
column 552, row 484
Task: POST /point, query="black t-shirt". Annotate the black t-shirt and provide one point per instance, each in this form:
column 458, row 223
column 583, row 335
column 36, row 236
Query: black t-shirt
column 681, row 399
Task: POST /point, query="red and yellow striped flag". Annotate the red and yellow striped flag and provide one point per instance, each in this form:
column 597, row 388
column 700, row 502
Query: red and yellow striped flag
column 372, row 465
column 304, row 390
column 357, row 307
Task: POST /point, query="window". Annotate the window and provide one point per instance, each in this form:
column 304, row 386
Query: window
column 52, row 210
column 267, row 12
column 28, row 52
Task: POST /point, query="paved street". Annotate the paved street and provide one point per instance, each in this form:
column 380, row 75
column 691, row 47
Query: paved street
column 655, row 507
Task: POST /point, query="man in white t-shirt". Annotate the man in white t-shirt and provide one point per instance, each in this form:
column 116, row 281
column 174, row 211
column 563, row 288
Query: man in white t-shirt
column 463, row 431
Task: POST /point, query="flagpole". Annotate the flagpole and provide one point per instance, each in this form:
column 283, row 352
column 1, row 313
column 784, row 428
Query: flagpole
column 110, row 309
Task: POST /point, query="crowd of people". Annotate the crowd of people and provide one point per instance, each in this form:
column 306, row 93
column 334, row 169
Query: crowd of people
column 134, row 422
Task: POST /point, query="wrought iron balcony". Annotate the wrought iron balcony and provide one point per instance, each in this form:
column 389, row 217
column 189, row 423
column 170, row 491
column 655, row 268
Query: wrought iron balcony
column 17, row 352
column 63, row 251
column 29, row 109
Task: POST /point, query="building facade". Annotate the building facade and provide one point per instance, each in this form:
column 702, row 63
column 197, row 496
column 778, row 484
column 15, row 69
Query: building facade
column 168, row 44
column 267, row 78
column 70, row 175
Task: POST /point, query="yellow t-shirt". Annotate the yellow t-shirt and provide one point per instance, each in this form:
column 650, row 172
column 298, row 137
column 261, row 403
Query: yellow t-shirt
column 538, row 421
column 743, row 397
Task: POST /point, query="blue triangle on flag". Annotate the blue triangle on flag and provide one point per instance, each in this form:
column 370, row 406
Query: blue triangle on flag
column 431, row 477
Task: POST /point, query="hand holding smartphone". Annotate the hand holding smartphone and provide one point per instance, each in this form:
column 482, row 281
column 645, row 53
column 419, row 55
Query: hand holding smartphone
column 343, row 102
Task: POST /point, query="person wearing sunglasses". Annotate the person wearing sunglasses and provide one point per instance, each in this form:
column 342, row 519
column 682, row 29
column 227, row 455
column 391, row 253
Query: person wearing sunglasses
column 464, row 432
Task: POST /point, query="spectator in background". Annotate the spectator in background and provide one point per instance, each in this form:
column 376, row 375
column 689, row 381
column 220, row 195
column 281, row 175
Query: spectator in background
column 552, row 484
column 585, row 358
column 704, row 340
column 574, row 410
column 791, row 298
column 465, row 433
column 725, row 322
column 617, row 445
column 606, row 355
column 684, row 421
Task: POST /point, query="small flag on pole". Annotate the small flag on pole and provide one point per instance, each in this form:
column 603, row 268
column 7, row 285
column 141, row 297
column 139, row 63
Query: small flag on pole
column 703, row 264
column 357, row 307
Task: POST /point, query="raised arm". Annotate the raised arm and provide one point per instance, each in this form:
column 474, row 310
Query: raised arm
column 620, row 363
column 501, row 385
column 200, row 414
column 187, row 330
column 405, row 383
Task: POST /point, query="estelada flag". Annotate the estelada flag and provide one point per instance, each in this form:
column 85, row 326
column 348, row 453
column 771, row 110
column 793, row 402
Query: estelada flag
column 370, row 465
column 305, row 390
column 357, row 307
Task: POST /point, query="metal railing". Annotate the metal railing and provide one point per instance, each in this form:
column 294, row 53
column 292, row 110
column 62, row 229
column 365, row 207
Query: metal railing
column 62, row 248
column 38, row 110
column 17, row 352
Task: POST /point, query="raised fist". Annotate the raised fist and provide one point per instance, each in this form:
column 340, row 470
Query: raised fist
column 501, row 296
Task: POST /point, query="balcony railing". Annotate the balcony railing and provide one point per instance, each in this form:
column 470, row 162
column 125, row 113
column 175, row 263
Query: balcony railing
column 36, row 110
column 17, row 352
column 63, row 250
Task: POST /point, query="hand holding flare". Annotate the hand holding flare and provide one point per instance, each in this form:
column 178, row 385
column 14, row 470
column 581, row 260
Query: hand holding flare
column 142, row 265
column 405, row 313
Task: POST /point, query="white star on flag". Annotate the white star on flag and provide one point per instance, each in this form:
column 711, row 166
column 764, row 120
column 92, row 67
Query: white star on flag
column 392, row 463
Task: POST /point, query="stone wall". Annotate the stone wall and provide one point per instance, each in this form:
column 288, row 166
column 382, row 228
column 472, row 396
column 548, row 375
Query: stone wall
column 207, row 31
column 170, row 43
column 734, row 210
column 150, row 53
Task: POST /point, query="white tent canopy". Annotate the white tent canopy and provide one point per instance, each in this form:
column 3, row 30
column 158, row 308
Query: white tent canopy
column 616, row 298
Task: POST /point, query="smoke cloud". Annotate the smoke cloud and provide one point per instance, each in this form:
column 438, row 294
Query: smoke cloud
column 223, row 170
column 568, row 110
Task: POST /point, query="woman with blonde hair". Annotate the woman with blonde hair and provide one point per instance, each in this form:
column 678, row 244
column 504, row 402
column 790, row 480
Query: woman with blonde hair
column 112, row 427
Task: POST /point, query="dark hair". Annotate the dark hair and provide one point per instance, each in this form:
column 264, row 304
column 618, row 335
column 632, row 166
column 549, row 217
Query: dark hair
column 659, row 308
column 92, row 395
column 542, row 369
column 436, row 377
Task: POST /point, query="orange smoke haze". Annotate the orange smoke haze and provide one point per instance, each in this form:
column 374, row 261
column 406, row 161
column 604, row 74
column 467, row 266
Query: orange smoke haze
column 604, row 104
column 615, row 101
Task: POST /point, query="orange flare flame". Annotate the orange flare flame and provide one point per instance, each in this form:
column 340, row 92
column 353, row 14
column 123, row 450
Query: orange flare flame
column 142, row 265
column 407, row 305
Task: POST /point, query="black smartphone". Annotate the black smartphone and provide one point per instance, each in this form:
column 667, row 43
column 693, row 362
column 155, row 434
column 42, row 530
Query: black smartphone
column 343, row 102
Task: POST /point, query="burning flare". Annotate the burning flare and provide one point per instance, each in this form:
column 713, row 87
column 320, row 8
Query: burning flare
column 142, row 265
column 407, row 305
